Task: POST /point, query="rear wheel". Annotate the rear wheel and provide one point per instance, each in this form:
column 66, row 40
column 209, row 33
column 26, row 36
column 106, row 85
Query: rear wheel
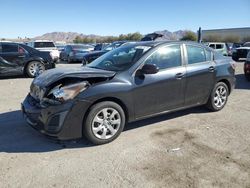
column 218, row 97
column 104, row 122
column 34, row 68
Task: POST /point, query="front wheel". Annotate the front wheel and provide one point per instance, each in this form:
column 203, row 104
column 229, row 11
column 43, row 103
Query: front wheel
column 104, row 123
column 218, row 97
column 34, row 68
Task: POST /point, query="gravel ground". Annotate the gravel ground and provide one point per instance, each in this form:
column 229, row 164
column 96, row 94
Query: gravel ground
column 190, row 148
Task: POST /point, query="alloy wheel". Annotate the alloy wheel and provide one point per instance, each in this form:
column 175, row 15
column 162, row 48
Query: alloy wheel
column 106, row 123
column 220, row 96
column 36, row 68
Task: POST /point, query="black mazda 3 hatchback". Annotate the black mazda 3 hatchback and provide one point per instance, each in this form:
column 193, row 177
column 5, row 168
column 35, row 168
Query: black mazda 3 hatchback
column 133, row 82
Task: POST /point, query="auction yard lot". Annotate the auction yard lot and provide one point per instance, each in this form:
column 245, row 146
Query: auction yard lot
column 190, row 148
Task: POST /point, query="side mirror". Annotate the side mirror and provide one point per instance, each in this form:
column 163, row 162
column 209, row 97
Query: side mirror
column 149, row 69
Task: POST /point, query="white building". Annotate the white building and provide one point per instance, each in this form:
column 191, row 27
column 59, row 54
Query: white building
column 235, row 32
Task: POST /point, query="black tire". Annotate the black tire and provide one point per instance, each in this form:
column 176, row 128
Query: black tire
column 31, row 73
column 211, row 104
column 93, row 112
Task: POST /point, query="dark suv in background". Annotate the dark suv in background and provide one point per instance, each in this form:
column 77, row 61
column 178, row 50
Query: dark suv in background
column 241, row 52
column 17, row 59
column 129, row 83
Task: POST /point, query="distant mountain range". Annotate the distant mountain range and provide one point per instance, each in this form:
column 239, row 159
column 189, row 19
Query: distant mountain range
column 70, row 36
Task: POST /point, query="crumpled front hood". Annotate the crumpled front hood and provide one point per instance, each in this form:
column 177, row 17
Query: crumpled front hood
column 53, row 75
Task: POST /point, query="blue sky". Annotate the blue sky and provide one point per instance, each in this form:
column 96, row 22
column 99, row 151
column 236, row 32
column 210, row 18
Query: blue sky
column 112, row 17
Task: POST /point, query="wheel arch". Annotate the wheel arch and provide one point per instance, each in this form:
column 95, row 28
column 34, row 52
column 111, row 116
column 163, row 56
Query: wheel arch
column 111, row 99
column 227, row 83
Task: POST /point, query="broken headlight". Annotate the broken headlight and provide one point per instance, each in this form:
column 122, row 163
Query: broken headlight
column 64, row 93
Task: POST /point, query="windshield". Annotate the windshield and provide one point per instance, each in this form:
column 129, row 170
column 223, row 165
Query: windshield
column 44, row 45
column 113, row 46
column 119, row 59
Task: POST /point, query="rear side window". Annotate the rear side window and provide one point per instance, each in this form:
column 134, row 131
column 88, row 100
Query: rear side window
column 8, row 48
column 219, row 46
column 166, row 57
column 195, row 54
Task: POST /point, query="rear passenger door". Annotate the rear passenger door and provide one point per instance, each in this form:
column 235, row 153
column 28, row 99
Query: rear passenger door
column 200, row 77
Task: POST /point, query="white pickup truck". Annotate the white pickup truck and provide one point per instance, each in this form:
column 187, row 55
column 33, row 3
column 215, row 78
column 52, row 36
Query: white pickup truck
column 47, row 46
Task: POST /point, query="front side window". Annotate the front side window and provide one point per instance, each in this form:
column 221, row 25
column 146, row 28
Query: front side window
column 212, row 46
column 166, row 57
column 119, row 59
column 195, row 54
column 9, row 48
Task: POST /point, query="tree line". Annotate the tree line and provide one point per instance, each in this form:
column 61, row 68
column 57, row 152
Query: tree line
column 127, row 37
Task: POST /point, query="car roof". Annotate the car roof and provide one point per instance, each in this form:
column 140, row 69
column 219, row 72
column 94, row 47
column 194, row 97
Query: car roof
column 157, row 43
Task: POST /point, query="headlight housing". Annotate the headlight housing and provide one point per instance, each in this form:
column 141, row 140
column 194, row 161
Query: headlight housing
column 64, row 93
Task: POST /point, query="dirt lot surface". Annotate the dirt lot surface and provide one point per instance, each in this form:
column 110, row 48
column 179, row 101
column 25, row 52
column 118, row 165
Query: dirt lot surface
column 191, row 148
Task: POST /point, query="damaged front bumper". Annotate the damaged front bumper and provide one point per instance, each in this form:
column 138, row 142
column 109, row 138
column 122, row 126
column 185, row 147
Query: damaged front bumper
column 61, row 122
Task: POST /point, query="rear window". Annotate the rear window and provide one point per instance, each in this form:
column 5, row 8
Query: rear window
column 44, row 45
column 247, row 44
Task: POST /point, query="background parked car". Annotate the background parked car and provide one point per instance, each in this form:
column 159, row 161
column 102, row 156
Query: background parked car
column 89, row 57
column 247, row 67
column 74, row 52
column 220, row 47
column 241, row 52
column 16, row 59
column 46, row 46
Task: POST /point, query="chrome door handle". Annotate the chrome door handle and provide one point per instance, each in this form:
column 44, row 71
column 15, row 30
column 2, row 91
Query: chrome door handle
column 211, row 69
column 179, row 76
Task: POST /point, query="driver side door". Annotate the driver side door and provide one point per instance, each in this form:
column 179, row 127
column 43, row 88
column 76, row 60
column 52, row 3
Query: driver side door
column 163, row 91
